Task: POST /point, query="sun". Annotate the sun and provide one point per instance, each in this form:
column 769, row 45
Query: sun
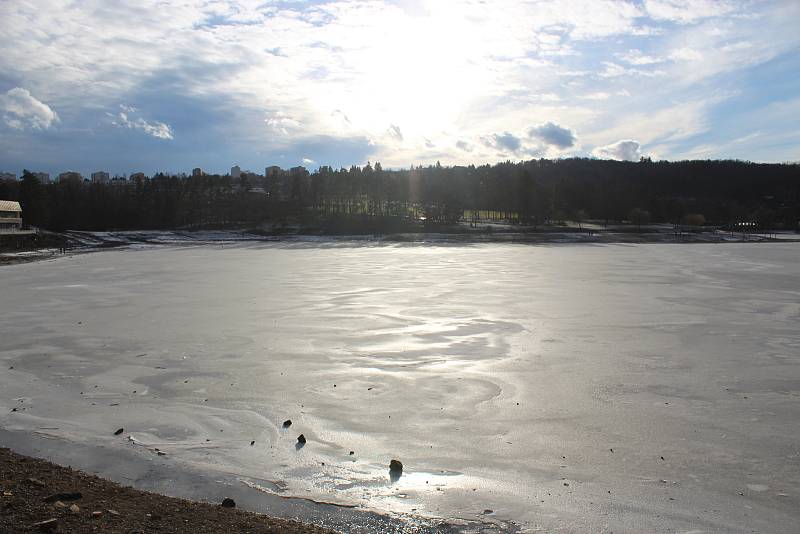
column 420, row 74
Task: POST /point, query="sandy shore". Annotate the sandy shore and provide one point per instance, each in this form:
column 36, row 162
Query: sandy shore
column 40, row 496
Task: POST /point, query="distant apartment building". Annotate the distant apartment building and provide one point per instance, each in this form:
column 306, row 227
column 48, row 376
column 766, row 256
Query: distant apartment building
column 100, row 177
column 273, row 171
column 137, row 177
column 276, row 182
column 43, row 177
column 197, row 171
column 236, row 172
column 8, row 176
column 70, row 176
column 10, row 216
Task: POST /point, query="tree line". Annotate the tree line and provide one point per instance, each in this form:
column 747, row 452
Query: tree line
column 531, row 193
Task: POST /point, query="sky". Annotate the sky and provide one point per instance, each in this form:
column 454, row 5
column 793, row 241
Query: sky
column 145, row 85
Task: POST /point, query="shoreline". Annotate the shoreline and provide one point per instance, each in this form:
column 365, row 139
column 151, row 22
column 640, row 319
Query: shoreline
column 158, row 482
column 39, row 495
column 85, row 242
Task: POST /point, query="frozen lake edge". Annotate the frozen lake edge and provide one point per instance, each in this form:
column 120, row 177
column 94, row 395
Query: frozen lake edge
column 487, row 343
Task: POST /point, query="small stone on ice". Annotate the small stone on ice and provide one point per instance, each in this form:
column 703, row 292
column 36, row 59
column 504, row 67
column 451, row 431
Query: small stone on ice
column 396, row 466
column 301, row 438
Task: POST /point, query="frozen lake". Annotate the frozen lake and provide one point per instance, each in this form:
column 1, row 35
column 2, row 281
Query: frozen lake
column 586, row 388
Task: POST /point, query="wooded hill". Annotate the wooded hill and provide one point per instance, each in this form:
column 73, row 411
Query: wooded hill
column 531, row 193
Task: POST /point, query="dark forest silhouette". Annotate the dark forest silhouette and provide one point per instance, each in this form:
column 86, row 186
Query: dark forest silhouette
column 369, row 198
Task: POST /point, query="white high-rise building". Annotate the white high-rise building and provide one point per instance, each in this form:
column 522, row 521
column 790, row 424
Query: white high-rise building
column 101, row 177
column 236, row 172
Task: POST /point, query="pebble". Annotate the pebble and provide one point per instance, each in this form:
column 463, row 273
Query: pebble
column 48, row 524
column 69, row 496
column 75, row 509
column 119, row 431
column 301, row 438
column 97, row 514
column 396, row 466
column 287, row 423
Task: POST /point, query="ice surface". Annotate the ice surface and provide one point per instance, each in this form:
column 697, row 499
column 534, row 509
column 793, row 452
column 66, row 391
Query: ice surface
column 543, row 383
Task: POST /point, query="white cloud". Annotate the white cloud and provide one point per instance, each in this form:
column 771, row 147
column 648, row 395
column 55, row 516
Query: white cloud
column 395, row 133
column 614, row 70
column 599, row 95
column 20, row 109
column 624, row 149
column 688, row 11
column 281, row 123
column 685, row 54
column 463, row 145
column 669, row 125
column 505, row 142
column 123, row 119
column 637, row 57
column 348, row 68
column 554, row 135
column 308, row 161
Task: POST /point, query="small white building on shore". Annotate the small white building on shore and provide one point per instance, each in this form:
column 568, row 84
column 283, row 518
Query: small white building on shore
column 10, row 216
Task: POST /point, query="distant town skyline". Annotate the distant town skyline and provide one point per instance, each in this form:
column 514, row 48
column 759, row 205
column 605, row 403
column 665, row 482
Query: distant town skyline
column 146, row 87
column 102, row 176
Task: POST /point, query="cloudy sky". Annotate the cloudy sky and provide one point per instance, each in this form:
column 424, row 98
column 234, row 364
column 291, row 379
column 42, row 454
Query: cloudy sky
column 130, row 85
